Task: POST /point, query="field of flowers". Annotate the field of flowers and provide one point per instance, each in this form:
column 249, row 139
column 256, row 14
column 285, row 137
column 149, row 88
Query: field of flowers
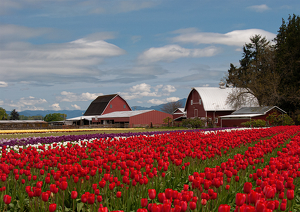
column 245, row 170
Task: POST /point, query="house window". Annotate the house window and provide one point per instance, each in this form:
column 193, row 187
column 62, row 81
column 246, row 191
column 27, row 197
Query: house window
column 110, row 106
column 216, row 120
column 124, row 106
column 200, row 101
column 191, row 102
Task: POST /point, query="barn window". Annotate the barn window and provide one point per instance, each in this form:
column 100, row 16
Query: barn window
column 191, row 102
column 110, row 106
column 216, row 120
column 124, row 106
column 200, row 101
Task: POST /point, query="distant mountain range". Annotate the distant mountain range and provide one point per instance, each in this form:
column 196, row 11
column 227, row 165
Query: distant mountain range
column 76, row 113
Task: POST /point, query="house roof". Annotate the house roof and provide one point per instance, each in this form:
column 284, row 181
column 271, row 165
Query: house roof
column 181, row 110
column 256, row 110
column 215, row 98
column 98, row 106
column 123, row 114
column 240, row 116
column 249, row 112
column 117, row 114
column 22, row 121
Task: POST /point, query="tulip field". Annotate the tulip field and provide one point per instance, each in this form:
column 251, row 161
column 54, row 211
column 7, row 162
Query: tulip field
column 242, row 170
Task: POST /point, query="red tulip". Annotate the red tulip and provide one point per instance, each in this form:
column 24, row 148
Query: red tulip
column 240, row 199
column 144, row 202
column 119, row 194
column 152, row 193
column 161, row 197
column 52, row 207
column 169, row 193
column 91, row 199
column 99, row 198
column 104, row 209
column 224, row 208
column 45, row 196
column 63, row 185
column 6, row 199
column 74, row 194
column 290, row 194
column 247, row 187
column 283, row 206
column 193, row 206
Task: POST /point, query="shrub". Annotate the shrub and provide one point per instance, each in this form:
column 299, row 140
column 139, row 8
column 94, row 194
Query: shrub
column 193, row 123
column 255, row 123
column 279, row 120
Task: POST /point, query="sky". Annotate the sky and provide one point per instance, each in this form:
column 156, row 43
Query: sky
column 62, row 54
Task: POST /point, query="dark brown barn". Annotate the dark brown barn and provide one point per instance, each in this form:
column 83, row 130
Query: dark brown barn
column 107, row 104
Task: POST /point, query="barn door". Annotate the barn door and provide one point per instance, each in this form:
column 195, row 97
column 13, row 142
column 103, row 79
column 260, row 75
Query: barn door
column 195, row 112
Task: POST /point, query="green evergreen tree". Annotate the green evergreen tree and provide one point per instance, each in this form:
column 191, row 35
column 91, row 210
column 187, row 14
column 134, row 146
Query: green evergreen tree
column 288, row 63
column 14, row 115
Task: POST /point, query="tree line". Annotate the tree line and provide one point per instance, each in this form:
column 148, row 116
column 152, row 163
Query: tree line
column 270, row 71
column 14, row 115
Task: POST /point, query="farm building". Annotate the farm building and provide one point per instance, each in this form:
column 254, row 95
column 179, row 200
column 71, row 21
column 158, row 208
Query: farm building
column 245, row 114
column 22, row 124
column 137, row 118
column 179, row 114
column 113, row 111
column 210, row 103
column 107, row 104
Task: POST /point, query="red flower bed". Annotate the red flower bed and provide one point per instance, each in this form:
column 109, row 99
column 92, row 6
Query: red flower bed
column 177, row 171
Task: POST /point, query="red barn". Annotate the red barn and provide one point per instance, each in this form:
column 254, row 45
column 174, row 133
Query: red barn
column 247, row 113
column 210, row 103
column 138, row 118
column 107, row 104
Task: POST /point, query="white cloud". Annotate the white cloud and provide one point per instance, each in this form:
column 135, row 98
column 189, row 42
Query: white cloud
column 163, row 101
column 3, row 84
column 26, row 103
column 73, row 97
column 156, row 101
column 233, row 38
column 259, row 8
column 71, row 8
column 169, row 88
column 65, row 62
column 76, row 107
column 146, row 90
column 140, row 88
column 172, row 52
column 55, row 106
column 172, row 99
column 15, row 32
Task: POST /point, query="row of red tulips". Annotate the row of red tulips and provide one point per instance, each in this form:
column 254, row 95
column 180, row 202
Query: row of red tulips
column 127, row 173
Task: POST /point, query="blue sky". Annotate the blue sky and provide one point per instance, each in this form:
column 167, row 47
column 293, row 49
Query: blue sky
column 62, row 54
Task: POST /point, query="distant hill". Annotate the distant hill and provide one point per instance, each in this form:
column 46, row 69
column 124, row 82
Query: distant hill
column 76, row 113
column 69, row 113
column 156, row 107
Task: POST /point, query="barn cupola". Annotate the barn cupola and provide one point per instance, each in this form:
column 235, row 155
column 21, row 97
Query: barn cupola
column 222, row 85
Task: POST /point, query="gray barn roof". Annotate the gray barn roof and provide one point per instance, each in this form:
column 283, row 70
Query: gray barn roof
column 256, row 110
